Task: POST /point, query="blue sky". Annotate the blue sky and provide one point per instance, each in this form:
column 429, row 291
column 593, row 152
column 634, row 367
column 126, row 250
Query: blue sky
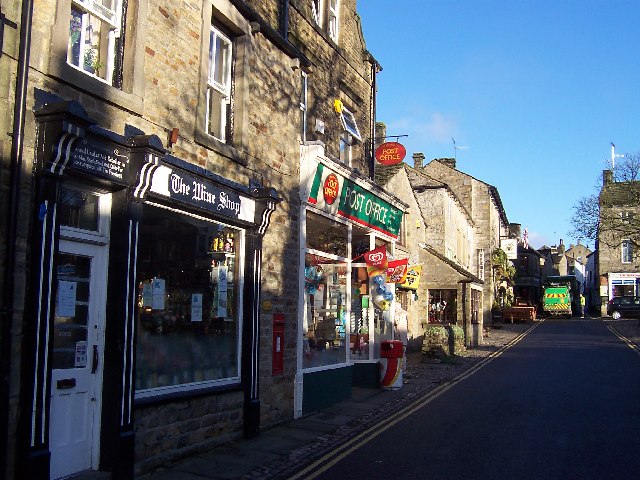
column 535, row 90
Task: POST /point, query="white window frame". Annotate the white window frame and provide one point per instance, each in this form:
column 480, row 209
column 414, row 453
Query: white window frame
column 345, row 149
column 222, row 88
column 349, row 123
column 626, row 251
column 303, row 106
column 316, row 11
column 111, row 19
column 333, row 19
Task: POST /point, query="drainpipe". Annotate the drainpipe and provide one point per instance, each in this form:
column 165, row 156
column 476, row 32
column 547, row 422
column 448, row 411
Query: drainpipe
column 284, row 19
column 375, row 68
column 16, row 166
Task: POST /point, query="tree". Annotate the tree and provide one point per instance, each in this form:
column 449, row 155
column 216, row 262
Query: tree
column 612, row 214
column 503, row 274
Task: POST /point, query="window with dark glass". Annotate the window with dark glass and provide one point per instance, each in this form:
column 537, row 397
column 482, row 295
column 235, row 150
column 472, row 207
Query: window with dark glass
column 78, row 209
column 188, row 300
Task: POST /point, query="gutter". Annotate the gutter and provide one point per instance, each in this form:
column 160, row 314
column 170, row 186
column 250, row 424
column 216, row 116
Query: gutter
column 16, row 165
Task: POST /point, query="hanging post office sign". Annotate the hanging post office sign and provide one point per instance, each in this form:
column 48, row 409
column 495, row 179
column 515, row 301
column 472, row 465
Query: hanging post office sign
column 390, row 153
column 338, row 195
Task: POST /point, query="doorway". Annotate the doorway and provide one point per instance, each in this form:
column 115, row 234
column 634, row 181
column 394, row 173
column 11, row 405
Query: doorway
column 77, row 357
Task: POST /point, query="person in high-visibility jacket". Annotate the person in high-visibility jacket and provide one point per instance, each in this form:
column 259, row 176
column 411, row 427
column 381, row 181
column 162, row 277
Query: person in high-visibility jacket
column 582, row 302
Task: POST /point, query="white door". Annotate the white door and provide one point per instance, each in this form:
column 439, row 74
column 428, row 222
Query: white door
column 78, row 344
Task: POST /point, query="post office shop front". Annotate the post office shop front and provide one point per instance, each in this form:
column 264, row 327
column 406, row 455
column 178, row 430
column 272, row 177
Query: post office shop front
column 145, row 303
column 342, row 321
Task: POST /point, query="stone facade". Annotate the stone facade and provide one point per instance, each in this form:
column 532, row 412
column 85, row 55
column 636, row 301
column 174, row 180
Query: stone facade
column 437, row 233
column 485, row 207
column 162, row 91
column 412, row 235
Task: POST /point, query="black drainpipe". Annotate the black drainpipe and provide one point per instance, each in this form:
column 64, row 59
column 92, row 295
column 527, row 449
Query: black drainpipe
column 284, row 19
column 12, row 228
column 372, row 136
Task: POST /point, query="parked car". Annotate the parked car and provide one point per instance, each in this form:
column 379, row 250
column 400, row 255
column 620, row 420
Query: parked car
column 619, row 307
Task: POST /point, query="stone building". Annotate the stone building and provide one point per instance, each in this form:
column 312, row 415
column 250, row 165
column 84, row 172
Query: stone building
column 152, row 258
column 484, row 205
column 343, row 212
column 617, row 261
column 438, row 233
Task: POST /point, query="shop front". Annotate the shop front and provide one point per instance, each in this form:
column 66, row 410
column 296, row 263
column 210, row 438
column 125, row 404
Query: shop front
column 145, row 294
column 346, row 307
column 624, row 284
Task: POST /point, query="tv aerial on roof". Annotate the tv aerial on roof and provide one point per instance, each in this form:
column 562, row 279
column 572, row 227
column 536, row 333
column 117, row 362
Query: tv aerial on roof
column 614, row 155
column 456, row 148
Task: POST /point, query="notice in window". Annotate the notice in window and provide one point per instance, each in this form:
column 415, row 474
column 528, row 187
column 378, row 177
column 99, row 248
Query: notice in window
column 66, row 305
column 158, row 294
column 81, row 354
column 147, row 294
column 196, row 307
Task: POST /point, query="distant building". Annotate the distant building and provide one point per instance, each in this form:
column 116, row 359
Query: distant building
column 617, row 263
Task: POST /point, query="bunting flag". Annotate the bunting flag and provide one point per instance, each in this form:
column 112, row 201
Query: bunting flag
column 413, row 277
column 397, row 271
column 376, row 261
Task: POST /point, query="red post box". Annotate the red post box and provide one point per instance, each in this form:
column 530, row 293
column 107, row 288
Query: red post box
column 277, row 354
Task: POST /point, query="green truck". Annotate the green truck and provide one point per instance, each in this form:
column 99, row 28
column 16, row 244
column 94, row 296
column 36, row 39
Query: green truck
column 557, row 296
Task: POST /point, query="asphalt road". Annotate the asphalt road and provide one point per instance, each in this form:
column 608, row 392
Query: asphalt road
column 563, row 403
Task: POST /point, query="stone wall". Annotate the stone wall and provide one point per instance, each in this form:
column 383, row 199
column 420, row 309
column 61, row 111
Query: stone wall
column 174, row 430
column 476, row 197
column 411, row 235
column 170, row 39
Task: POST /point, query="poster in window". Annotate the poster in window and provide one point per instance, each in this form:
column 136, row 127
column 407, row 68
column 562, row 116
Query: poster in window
column 81, row 354
column 220, row 278
column 66, row 305
column 147, row 294
column 196, row 307
column 158, row 293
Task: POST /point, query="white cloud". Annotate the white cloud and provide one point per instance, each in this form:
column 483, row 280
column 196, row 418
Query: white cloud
column 438, row 128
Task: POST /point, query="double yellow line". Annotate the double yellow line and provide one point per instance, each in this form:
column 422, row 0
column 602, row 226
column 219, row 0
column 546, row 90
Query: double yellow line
column 330, row 459
column 629, row 343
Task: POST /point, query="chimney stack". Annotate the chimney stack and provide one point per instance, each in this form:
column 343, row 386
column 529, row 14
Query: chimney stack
column 418, row 159
column 607, row 177
column 449, row 162
column 381, row 133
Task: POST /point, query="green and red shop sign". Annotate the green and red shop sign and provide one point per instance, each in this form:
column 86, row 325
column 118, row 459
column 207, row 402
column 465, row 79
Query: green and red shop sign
column 340, row 196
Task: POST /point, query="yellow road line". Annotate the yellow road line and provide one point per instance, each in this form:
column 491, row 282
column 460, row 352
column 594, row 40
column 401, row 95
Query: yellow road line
column 629, row 343
column 330, row 459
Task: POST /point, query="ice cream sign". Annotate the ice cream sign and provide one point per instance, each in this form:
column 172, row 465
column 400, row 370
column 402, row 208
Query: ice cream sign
column 353, row 202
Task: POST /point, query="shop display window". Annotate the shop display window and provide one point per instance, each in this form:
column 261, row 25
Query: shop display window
column 325, row 325
column 326, row 235
column 188, row 299
column 359, row 314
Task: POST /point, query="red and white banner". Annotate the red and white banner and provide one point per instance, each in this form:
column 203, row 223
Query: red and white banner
column 376, row 261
